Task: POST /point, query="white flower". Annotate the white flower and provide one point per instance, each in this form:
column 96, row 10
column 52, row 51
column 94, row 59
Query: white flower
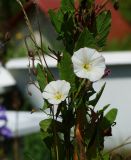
column 89, row 64
column 56, row 91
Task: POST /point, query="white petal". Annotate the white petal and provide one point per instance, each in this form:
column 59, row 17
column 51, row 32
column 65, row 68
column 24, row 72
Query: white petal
column 95, row 55
column 76, row 60
column 99, row 62
column 55, row 87
column 51, row 87
column 54, row 101
column 96, row 74
column 65, row 88
column 88, row 54
column 47, row 95
column 82, row 74
column 79, row 55
column 77, row 67
column 60, row 84
column 95, row 60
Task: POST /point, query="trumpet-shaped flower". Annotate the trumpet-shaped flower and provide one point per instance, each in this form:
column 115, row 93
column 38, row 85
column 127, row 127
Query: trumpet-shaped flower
column 56, row 91
column 89, row 64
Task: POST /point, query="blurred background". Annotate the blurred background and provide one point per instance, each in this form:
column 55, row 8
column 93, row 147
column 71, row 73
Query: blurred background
column 25, row 143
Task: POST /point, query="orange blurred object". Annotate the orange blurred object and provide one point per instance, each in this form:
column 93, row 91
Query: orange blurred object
column 45, row 5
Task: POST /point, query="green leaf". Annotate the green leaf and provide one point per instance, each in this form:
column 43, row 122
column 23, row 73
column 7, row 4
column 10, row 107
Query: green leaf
column 98, row 96
column 45, row 106
column 103, row 109
column 28, row 156
column 56, row 19
column 109, row 118
column 44, row 135
column 103, row 24
column 106, row 157
column 66, row 69
column 68, row 24
column 85, row 39
column 49, row 75
column 67, row 29
column 111, row 115
column 45, row 124
column 67, row 5
column 49, row 140
column 41, row 77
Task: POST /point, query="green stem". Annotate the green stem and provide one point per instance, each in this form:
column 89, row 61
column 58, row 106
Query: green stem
column 79, row 89
column 55, row 137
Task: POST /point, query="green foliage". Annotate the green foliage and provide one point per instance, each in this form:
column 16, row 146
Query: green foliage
column 106, row 157
column 85, row 39
column 63, row 22
column 42, row 81
column 49, row 129
column 32, row 150
column 57, row 16
column 67, row 31
column 66, row 69
column 76, row 28
column 43, row 76
column 119, row 45
column 45, row 106
column 109, row 118
column 9, row 7
column 98, row 96
column 56, row 19
column 103, row 23
column 47, row 136
column 45, row 124
column 67, row 5
column 125, row 9
column 101, row 111
column 76, row 126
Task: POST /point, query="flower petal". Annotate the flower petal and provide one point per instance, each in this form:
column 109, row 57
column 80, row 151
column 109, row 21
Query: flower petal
column 54, row 101
column 65, row 88
column 96, row 74
column 56, row 91
column 47, row 95
column 88, row 57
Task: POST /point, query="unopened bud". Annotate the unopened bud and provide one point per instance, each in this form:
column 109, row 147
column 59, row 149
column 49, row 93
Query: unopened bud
column 107, row 73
